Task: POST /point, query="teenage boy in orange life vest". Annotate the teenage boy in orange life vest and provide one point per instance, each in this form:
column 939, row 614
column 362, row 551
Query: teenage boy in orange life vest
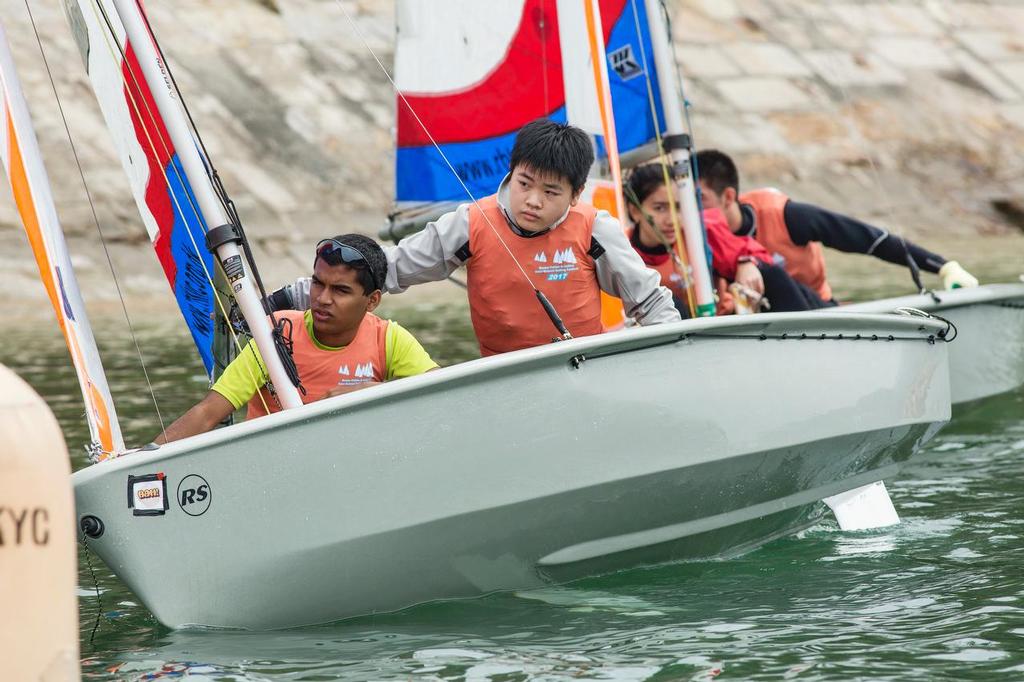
column 569, row 250
column 338, row 344
column 795, row 232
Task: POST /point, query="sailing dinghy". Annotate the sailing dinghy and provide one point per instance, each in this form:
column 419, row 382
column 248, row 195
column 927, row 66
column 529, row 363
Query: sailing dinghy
column 508, row 472
column 517, row 470
column 987, row 357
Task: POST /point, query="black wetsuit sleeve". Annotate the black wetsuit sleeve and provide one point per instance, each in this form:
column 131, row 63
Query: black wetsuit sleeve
column 808, row 223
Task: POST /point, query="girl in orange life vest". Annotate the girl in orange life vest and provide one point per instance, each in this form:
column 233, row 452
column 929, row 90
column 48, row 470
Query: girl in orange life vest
column 734, row 259
column 795, row 232
column 338, row 344
column 534, row 223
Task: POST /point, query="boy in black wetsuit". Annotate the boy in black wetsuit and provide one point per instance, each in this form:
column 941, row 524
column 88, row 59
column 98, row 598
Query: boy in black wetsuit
column 796, row 230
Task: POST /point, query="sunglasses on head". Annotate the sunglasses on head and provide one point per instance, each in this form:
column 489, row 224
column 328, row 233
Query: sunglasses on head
column 335, row 253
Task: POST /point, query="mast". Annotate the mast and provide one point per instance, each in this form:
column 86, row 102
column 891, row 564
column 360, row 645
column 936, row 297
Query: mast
column 19, row 151
column 678, row 145
column 599, row 63
column 224, row 236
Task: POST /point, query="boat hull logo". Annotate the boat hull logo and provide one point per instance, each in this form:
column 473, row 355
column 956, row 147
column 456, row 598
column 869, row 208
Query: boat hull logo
column 194, row 495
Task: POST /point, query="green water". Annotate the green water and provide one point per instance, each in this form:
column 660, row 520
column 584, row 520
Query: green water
column 940, row 596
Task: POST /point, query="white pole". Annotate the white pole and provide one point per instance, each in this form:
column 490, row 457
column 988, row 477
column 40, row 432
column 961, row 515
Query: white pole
column 173, row 115
column 675, row 128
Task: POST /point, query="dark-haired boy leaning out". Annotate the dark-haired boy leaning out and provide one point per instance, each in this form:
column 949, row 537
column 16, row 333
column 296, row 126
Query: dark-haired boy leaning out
column 568, row 250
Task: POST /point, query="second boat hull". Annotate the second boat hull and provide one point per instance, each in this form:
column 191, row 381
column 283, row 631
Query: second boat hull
column 987, row 356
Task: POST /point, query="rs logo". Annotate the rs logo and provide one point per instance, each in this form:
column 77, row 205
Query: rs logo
column 194, row 495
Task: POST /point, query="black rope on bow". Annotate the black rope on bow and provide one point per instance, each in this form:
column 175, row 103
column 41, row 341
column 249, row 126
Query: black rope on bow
column 944, row 334
column 96, row 586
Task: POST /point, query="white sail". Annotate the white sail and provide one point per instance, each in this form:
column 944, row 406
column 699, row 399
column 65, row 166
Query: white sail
column 471, row 74
column 19, row 152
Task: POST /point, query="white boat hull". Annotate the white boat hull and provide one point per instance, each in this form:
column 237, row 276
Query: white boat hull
column 509, row 472
column 987, row 356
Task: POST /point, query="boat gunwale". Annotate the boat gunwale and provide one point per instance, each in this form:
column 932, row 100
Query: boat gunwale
column 993, row 294
column 636, row 339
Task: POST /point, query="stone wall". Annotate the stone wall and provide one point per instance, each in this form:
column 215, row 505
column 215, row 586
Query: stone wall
column 909, row 114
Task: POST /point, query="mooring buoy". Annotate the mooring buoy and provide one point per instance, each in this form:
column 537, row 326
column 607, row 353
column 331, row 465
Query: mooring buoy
column 38, row 560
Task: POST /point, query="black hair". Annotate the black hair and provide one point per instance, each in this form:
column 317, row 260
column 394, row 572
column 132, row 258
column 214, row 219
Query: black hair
column 643, row 181
column 556, row 148
column 718, row 170
column 376, row 266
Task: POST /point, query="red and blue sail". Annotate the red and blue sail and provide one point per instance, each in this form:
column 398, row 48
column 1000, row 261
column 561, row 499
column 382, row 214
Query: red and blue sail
column 475, row 122
column 162, row 193
column 181, row 230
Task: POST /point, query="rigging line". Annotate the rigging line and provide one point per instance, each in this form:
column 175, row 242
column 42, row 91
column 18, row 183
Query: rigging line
column 681, row 85
column 691, row 302
column 430, row 136
column 218, row 187
column 111, row 37
column 155, row 126
column 222, row 194
column 96, row 220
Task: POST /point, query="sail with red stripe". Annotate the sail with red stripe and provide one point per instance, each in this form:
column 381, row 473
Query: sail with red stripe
column 19, row 152
column 475, row 73
column 170, row 213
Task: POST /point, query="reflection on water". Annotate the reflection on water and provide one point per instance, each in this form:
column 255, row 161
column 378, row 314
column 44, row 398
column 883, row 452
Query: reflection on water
column 940, row 595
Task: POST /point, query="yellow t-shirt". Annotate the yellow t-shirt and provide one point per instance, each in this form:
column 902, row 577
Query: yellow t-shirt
column 247, row 374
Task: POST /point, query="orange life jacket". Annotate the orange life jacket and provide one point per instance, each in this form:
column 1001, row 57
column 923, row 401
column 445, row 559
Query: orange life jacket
column 805, row 264
column 363, row 360
column 505, row 311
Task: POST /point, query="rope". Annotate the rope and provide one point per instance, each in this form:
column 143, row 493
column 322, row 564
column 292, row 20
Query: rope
column 577, row 360
column 111, row 38
column 448, row 163
column 691, row 302
column 96, row 221
column 96, row 587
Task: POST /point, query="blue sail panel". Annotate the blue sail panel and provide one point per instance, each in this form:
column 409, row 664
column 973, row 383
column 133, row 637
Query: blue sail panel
column 627, row 47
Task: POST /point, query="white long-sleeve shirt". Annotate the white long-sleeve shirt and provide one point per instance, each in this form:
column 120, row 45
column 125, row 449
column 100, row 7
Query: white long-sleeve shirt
column 431, row 255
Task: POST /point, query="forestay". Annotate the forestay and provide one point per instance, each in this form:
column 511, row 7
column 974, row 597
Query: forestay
column 162, row 192
column 19, row 151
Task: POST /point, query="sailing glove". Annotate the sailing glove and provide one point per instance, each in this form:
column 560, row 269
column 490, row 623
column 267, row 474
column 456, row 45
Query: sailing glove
column 955, row 277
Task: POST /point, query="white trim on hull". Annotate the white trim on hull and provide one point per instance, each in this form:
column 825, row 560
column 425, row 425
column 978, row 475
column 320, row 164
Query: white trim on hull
column 465, row 480
column 987, row 357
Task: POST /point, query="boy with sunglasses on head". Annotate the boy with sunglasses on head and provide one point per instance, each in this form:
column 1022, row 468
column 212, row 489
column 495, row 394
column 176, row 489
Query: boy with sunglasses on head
column 338, row 344
column 534, row 234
